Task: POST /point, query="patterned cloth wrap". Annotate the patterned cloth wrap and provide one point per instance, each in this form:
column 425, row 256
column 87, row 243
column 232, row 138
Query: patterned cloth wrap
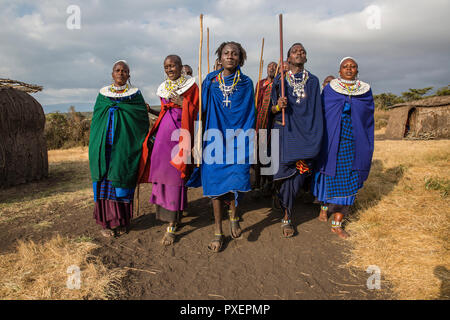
column 263, row 106
column 345, row 182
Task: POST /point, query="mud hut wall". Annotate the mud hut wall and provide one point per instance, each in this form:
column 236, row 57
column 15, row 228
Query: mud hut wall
column 23, row 149
column 397, row 122
column 433, row 121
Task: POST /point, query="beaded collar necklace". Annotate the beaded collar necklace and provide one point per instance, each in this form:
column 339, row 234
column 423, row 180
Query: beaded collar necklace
column 228, row 90
column 298, row 84
column 114, row 89
column 174, row 85
column 351, row 86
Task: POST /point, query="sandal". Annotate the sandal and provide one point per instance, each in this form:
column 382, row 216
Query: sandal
column 323, row 215
column 108, row 233
column 287, row 225
column 218, row 238
column 121, row 230
column 336, row 227
column 234, row 223
column 169, row 236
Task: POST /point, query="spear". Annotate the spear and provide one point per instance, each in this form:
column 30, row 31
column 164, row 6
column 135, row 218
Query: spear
column 199, row 136
column 260, row 74
column 281, row 65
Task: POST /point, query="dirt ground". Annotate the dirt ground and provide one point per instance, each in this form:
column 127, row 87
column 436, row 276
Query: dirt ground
column 261, row 265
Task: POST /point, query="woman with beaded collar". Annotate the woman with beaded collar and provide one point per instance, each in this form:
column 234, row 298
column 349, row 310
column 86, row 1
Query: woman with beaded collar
column 227, row 106
column 118, row 128
column 348, row 143
column 179, row 107
column 300, row 137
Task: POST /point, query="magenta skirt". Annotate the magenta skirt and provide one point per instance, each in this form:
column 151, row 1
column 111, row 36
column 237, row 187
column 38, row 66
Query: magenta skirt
column 111, row 214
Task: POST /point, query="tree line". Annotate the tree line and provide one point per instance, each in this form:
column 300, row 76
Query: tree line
column 68, row 130
column 385, row 100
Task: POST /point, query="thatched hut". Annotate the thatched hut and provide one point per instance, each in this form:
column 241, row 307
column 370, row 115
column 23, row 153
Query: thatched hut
column 23, row 150
column 426, row 118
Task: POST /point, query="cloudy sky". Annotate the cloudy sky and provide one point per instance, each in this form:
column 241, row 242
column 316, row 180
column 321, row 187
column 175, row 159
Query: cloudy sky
column 398, row 44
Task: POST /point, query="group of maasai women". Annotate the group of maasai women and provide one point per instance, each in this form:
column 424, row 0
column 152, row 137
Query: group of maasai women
column 327, row 138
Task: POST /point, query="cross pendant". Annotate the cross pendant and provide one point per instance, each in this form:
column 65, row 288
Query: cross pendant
column 226, row 101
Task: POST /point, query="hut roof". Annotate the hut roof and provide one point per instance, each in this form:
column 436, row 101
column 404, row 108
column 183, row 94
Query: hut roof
column 426, row 102
column 22, row 86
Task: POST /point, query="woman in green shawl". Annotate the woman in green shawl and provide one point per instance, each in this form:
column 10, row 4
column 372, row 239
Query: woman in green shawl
column 118, row 129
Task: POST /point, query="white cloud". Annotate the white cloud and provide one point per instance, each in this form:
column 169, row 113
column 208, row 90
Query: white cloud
column 409, row 51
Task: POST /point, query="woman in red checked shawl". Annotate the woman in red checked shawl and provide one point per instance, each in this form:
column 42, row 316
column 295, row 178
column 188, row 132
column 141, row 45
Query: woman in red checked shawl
column 172, row 134
column 262, row 111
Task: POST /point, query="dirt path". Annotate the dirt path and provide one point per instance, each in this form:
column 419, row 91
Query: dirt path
column 262, row 265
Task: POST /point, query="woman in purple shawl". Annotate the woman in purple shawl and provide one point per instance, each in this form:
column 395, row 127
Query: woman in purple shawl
column 347, row 146
column 159, row 166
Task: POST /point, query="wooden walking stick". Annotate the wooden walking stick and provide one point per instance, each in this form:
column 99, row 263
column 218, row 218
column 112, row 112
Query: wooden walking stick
column 260, row 74
column 281, row 65
column 199, row 135
column 207, row 45
column 276, row 70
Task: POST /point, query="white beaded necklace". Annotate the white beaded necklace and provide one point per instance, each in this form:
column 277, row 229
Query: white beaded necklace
column 352, row 82
column 119, row 88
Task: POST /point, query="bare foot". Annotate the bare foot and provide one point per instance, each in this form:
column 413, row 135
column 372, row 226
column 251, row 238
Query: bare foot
column 340, row 232
column 323, row 216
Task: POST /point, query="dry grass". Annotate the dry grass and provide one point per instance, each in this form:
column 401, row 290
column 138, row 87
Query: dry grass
column 69, row 178
column 41, row 272
column 402, row 225
column 68, row 155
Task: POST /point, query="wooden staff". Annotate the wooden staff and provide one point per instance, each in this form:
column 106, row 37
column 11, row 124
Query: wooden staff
column 207, row 45
column 199, row 145
column 276, row 70
column 281, row 65
column 260, row 73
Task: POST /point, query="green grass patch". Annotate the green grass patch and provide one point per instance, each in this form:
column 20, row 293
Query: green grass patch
column 438, row 184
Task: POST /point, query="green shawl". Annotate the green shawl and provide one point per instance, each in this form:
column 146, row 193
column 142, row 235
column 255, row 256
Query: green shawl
column 130, row 129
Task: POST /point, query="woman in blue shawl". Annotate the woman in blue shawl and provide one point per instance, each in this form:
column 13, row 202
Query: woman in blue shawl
column 300, row 137
column 347, row 146
column 228, row 118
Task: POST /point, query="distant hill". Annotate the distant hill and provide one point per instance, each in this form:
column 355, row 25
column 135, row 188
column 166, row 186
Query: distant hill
column 64, row 107
column 79, row 106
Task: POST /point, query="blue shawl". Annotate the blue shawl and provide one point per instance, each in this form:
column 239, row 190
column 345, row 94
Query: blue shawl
column 301, row 136
column 221, row 178
column 362, row 113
